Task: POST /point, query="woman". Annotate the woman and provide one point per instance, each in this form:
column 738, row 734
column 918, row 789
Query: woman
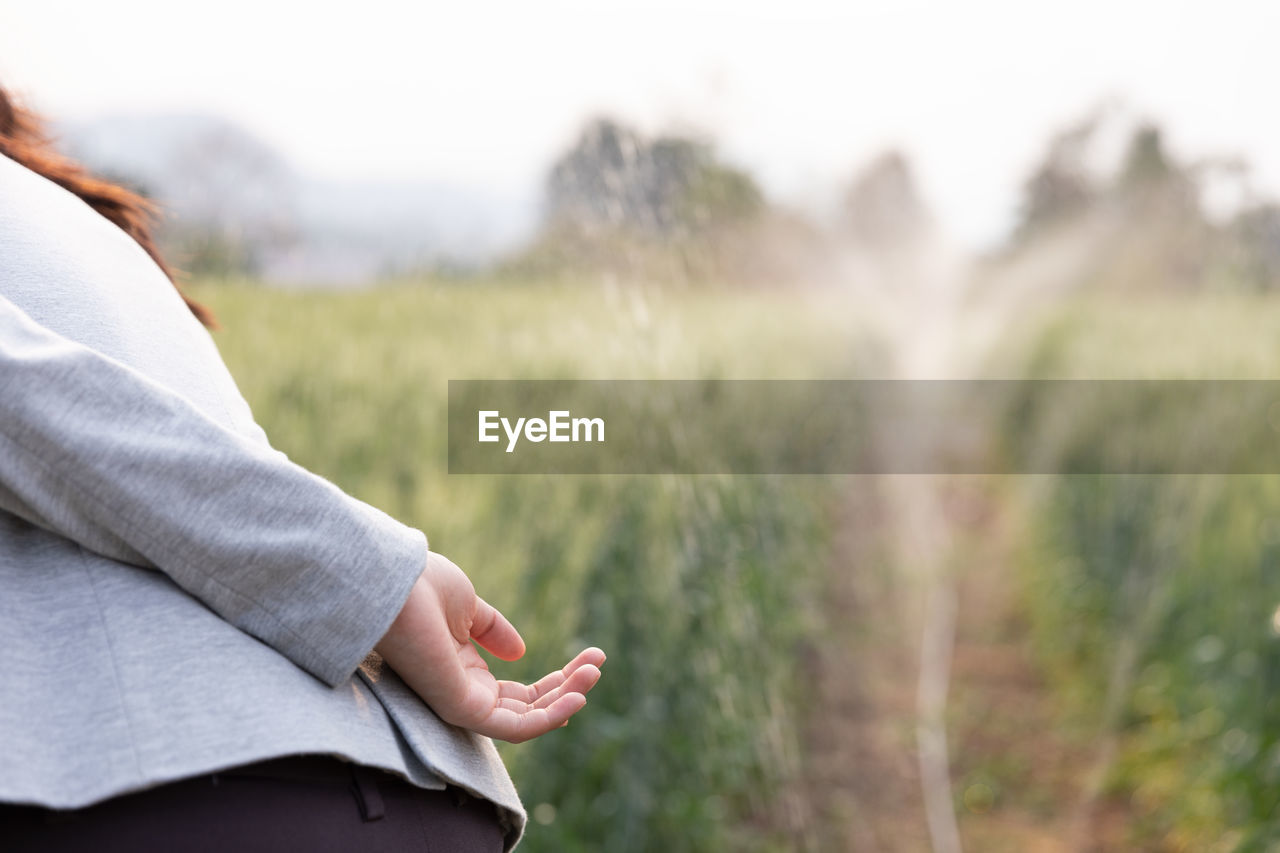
column 187, row 619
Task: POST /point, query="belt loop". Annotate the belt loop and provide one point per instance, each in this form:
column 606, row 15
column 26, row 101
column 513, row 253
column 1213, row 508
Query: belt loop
column 368, row 797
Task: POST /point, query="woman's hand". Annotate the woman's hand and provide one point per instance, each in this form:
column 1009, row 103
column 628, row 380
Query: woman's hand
column 429, row 646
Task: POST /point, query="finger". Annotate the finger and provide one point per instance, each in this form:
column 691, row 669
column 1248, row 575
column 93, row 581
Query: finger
column 543, row 686
column 582, row 680
column 547, row 683
column 532, row 692
column 549, row 687
column 525, row 692
column 557, row 714
column 592, row 656
column 494, row 633
column 506, row 724
column 518, row 696
column 513, row 705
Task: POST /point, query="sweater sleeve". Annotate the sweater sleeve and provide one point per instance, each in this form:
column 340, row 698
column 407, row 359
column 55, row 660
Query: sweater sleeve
column 96, row 452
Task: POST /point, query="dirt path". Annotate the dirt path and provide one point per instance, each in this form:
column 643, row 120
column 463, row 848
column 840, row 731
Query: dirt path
column 932, row 728
column 863, row 781
column 1019, row 775
column 1022, row 771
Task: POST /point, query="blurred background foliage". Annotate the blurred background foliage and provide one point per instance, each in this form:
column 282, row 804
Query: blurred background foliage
column 1142, row 611
column 703, row 590
column 1154, row 599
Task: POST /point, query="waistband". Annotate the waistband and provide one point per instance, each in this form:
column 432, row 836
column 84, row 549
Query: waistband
column 366, row 783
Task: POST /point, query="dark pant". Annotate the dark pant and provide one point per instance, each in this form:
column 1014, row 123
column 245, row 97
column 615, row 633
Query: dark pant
column 311, row 803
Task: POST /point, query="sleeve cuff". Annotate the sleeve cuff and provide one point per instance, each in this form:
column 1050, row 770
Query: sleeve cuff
column 332, row 644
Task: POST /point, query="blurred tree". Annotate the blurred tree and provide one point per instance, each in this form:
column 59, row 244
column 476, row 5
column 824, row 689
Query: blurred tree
column 1147, row 162
column 883, row 205
column 665, row 208
column 1060, row 188
column 720, row 195
column 1152, row 181
column 1164, row 240
column 614, row 178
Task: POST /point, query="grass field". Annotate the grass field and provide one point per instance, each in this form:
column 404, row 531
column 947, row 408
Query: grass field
column 1151, row 601
column 700, row 589
column 1154, row 598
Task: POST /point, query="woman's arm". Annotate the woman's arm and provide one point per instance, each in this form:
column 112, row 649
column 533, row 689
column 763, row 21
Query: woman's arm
column 98, row 453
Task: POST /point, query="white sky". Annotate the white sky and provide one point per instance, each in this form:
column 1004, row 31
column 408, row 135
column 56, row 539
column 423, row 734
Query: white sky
column 800, row 91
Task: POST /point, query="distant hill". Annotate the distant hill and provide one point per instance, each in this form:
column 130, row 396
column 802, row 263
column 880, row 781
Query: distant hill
column 234, row 204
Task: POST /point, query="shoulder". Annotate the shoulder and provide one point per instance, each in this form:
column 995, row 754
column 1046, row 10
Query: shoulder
column 75, row 272
column 41, row 221
column 78, row 275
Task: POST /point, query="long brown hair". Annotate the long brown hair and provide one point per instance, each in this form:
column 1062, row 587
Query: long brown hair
column 23, row 139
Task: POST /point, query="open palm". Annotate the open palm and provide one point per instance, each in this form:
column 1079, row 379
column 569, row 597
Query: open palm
column 430, row 646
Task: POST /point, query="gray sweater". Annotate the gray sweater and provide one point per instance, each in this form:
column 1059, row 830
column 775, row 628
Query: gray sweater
column 176, row 596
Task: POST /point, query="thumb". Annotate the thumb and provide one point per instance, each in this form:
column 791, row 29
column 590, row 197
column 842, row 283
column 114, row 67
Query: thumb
column 494, row 633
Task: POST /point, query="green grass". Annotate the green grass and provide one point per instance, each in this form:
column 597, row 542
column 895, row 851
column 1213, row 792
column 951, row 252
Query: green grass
column 1154, row 598
column 701, row 590
column 1151, row 598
